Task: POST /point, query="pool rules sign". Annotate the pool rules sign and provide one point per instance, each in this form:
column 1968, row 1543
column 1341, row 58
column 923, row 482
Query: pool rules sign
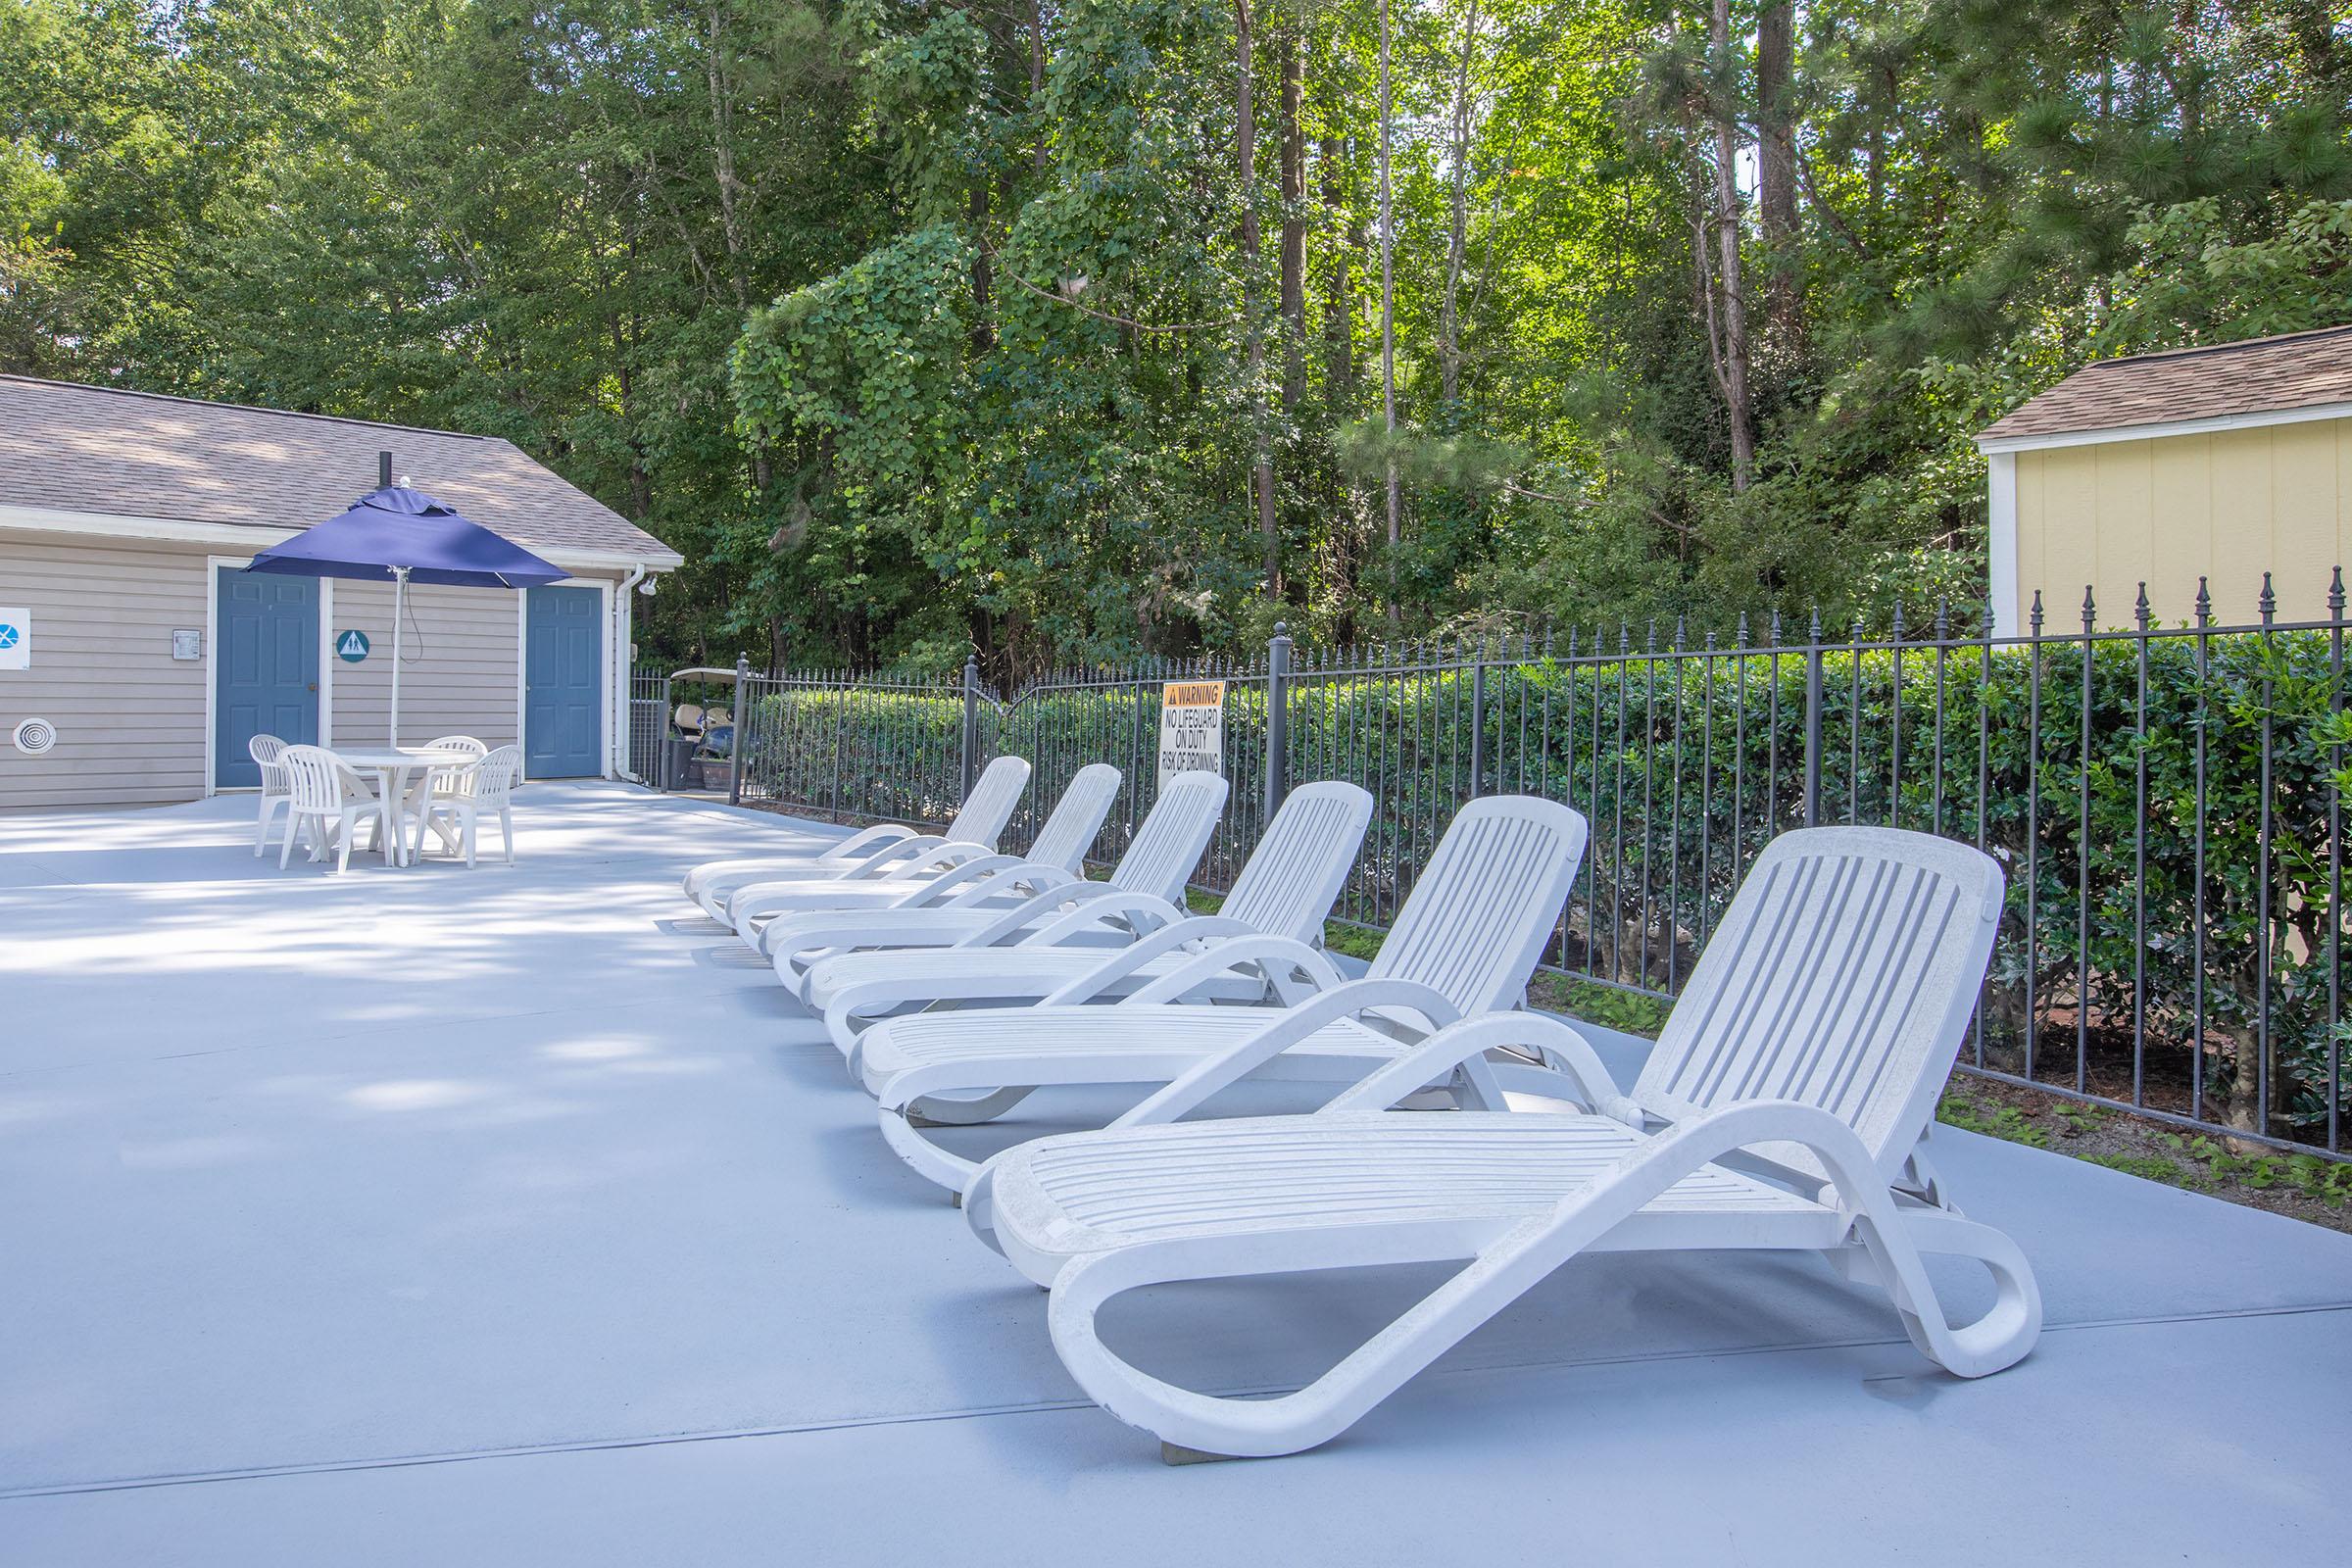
column 1192, row 728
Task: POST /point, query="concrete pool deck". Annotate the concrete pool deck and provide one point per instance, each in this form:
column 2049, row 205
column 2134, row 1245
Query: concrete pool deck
column 426, row 1216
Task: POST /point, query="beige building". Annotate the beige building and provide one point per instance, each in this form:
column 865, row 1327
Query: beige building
column 2220, row 463
column 131, row 635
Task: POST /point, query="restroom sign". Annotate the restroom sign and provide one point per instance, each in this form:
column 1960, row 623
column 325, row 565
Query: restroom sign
column 16, row 638
column 351, row 646
column 1192, row 728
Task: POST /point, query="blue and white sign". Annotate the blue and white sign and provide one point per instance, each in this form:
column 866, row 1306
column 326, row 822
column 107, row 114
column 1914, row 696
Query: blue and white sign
column 351, row 646
column 16, row 638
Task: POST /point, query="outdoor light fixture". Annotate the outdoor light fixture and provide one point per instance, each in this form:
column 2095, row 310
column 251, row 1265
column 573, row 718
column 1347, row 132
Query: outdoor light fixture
column 647, row 587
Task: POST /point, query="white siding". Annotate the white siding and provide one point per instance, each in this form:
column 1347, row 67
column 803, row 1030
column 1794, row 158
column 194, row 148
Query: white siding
column 458, row 664
column 129, row 718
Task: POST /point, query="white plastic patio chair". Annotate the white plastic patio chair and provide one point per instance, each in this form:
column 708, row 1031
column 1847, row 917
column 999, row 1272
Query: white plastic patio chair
column 445, row 782
column 974, row 830
column 1465, row 942
column 265, row 751
column 1811, row 1043
column 486, row 789
column 1782, row 1110
column 322, row 790
column 1146, row 883
column 1286, row 888
column 1056, row 855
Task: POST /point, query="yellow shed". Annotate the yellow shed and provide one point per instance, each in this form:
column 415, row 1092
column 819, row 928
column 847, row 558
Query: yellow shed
column 2218, row 463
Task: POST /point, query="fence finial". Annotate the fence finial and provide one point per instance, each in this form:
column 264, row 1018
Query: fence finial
column 2204, row 603
column 2090, row 612
column 1897, row 623
column 2139, row 611
column 2336, row 596
column 2033, row 620
column 1943, row 620
column 2269, row 602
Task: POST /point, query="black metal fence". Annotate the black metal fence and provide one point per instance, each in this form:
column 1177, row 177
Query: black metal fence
column 2168, row 801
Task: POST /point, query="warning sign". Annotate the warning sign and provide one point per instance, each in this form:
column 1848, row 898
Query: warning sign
column 1192, row 728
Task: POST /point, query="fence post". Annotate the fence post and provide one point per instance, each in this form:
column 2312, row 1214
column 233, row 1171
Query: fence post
column 971, row 722
column 742, row 728
column 1278, row 718
column 1813, row 724
column 1477, row 724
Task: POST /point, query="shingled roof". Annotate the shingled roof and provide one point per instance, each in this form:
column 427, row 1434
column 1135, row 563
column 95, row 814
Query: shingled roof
column 2258, row 375
column 87, row 449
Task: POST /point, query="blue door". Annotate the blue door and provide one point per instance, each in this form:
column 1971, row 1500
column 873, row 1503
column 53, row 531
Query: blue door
column 264, row 669
column 563, row 690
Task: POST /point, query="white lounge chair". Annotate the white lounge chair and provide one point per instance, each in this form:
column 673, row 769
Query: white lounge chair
column 1287, row 888
column 1781, row 1109
column 1056, row 855
column 1465, row 942
column 976, row 825
column 1145, row 886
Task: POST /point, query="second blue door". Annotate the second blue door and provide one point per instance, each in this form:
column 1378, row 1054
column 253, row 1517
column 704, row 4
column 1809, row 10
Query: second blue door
column 562, row 691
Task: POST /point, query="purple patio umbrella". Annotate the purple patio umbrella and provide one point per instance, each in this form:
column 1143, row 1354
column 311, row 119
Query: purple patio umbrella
column 401, row 536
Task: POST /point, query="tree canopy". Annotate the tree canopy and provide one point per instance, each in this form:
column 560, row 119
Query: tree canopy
column 1083, row 329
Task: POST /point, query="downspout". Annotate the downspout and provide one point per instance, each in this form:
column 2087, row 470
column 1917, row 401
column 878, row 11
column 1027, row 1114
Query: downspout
column 624, row 621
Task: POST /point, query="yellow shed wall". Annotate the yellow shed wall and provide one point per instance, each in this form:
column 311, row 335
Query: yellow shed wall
column 2227, row 506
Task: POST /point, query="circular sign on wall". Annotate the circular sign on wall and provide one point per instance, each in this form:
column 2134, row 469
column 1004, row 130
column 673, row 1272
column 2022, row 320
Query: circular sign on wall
column 351, row 646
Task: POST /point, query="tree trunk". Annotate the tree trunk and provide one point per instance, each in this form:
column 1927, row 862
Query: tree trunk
column 1387, row 322
column 1339, row 305
column 1776, row 169
column 722, row 159
column 1729, row 282
column 1245, row 157
column 1037, row 78
column 1294, row 222
column 1457, row 228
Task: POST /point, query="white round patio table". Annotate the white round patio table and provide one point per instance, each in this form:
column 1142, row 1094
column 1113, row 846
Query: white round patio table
column 393, row 766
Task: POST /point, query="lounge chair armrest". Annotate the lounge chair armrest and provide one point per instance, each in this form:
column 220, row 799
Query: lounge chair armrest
column 1143, row 912
column 959, row 879
column 909, row 853
column 1283, row 1029
column 1126, row 961
column 1015, row 878
column 1256, row 950
column 869, row 841
column 1044, row 897
column 1563, row 1047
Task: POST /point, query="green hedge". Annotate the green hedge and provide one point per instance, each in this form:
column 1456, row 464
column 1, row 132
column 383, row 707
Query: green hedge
column 1687, row 765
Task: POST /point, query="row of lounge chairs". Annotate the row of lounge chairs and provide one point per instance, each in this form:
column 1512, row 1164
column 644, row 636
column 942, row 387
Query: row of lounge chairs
column 1785, row 1105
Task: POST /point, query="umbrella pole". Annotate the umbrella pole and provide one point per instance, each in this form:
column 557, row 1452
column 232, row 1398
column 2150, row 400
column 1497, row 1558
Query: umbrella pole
column 400, row 593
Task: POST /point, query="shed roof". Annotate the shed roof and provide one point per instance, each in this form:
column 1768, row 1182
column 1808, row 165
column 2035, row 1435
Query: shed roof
column 2257, row 375
column 83, row 449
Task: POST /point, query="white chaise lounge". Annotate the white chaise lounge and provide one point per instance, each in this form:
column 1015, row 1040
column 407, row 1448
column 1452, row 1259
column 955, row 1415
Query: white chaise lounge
column 948, row 875
column 1465, row 942
column 1146, row 883
column 977, row 825
column 1287, row 889
column 1781, row 1109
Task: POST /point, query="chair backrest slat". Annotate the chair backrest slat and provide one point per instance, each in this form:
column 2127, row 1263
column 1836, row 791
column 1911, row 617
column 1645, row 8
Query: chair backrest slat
column 1175, row 832
column 1069, row 831
column 459, row 743
column 989, row 807
column 1843, row 975
column 1483, row 909
column 1293, row 876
